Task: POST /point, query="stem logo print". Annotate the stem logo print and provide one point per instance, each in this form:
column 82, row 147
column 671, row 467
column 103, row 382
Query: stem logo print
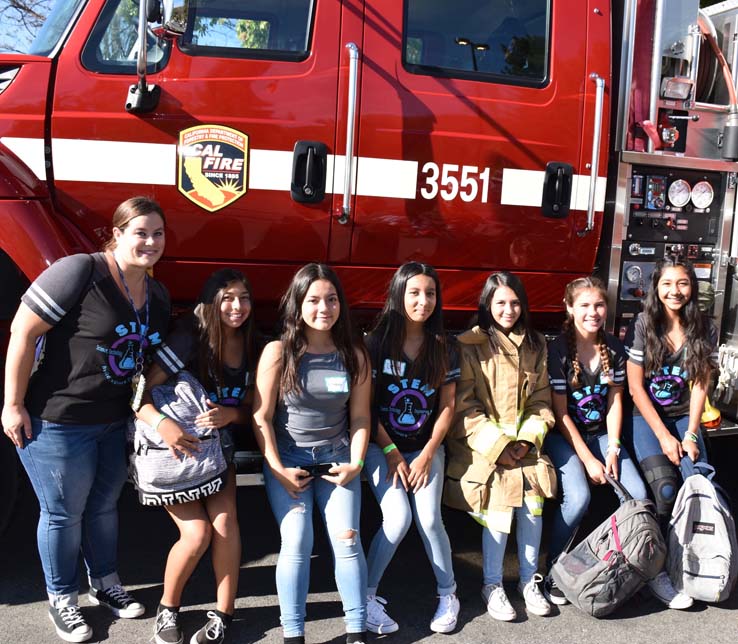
column 667, row 385
column 591, row 403
column 228, row 396
column 121, row 354
column 409, row 409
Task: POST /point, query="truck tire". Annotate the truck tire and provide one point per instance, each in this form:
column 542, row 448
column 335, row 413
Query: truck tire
column 9, row 479
column 13, row 284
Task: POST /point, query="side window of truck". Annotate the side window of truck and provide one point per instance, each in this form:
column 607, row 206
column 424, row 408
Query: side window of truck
column 264, row 29
column 501, row 41
column 112, row 47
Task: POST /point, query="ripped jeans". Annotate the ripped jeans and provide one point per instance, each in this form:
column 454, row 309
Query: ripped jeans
column 77, row 473
column 339, row 508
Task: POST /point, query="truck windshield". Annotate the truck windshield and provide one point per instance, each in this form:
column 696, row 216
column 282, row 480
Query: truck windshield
column 54, row 27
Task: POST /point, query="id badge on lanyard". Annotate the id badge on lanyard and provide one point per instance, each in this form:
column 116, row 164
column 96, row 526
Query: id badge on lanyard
column 138, row 382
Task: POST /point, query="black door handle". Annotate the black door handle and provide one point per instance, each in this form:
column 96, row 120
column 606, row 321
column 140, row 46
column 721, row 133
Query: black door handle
column 309, row 163
column 557, row 190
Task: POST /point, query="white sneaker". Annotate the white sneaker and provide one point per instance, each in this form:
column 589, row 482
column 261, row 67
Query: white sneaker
column 444, row 621
column 498, row 605
column 377, row 619
column 535, row 602
column 665, row 592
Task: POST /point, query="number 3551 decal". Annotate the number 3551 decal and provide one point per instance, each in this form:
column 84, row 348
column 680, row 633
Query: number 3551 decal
column 451, row 181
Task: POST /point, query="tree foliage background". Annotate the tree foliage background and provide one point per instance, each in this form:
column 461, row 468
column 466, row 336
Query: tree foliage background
column 20, row 20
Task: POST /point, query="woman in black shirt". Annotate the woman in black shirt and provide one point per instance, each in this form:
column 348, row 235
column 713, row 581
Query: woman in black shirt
column 101, row 317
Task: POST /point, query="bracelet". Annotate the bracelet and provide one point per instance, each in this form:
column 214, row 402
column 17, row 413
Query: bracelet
column 360, row 462
column 159, row 421
column 613, row 449
column 692, row 436
column 386, row 450
column 614, row 441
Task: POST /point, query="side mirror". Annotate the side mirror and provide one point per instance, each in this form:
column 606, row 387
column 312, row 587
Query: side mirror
column 174, row 16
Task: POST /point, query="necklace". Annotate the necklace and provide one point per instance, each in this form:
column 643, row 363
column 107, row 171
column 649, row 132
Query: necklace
column 138, row 382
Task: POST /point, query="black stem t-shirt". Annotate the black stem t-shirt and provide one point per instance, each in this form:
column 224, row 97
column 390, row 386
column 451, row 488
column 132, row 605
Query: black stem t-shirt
column 405, row 404
column 89, row 354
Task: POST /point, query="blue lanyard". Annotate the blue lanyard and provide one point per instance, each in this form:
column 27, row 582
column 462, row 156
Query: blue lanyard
column 142, row 329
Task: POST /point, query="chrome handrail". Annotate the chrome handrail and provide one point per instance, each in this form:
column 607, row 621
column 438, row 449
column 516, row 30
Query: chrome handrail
column 353, row 51
column 596, row 142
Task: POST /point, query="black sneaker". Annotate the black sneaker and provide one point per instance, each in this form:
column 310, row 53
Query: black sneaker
column 213, row 631
column 118, row 600
column 166, row 627
column 553, row 593
column 69, row 624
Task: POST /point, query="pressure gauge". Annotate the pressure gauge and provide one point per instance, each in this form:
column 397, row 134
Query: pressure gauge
column 634, row 274
column 702, row 195
column 679, row 193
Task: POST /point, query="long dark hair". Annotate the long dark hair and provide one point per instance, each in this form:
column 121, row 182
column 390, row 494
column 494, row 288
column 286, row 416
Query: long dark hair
column 573, row 289
column 484, row 314
column 209, row 329
column 389, row 330
column 294, row 340
column 698, row 351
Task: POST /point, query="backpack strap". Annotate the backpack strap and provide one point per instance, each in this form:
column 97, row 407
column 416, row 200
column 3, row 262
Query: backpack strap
column 689, row 468
column 618, row 487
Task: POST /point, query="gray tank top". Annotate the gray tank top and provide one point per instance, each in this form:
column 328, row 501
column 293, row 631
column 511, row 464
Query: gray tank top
column 317, row 414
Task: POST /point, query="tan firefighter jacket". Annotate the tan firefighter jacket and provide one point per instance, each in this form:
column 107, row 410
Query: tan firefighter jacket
column 500, row 398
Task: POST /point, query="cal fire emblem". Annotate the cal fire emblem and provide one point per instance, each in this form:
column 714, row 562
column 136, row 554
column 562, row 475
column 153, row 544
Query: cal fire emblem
column 212, row 165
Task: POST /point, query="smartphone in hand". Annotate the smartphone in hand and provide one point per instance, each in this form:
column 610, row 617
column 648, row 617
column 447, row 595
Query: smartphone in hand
column 318, row 469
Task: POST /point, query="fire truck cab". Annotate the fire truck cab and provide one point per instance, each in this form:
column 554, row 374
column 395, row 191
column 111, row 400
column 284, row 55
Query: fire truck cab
column 358, row 133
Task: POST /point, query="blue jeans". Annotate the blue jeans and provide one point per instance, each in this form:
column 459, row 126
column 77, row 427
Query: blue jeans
column 528, row 535
column 397, row 507
column 663, row 487
column 574, row 484
column 339, row 507
column 77, row 473
column 646, row 444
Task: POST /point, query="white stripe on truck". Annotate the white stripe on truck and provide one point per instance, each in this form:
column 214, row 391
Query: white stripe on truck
column 525, row 188
column 156, row 164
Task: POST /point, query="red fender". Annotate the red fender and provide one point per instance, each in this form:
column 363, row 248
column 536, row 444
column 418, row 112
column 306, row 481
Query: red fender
column 17, row 180
column 31, row 236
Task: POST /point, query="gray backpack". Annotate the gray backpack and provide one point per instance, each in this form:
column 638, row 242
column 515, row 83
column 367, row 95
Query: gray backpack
column 160, row 478
column 623, row 553
column 702, row 541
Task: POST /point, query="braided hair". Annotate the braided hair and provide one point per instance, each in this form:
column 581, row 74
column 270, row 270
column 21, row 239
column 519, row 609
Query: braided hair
column 573, row 289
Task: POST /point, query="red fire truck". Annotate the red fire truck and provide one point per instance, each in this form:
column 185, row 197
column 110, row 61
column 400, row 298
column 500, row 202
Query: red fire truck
column 550, row 138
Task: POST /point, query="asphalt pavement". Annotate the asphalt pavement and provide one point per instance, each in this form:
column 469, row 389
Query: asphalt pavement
column 146, row 534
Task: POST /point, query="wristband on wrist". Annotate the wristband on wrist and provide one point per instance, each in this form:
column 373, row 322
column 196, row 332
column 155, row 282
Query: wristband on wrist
column 386, row 450
column 159, row 421
column 690, row 436
column 359, row 462
column 613, row 449
column 614, row 441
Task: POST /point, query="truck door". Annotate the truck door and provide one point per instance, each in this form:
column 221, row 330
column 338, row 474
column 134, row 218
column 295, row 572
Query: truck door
column 463, row 105
column 238, row 90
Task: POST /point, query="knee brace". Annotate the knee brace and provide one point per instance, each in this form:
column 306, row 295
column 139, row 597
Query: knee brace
column 663, row 479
